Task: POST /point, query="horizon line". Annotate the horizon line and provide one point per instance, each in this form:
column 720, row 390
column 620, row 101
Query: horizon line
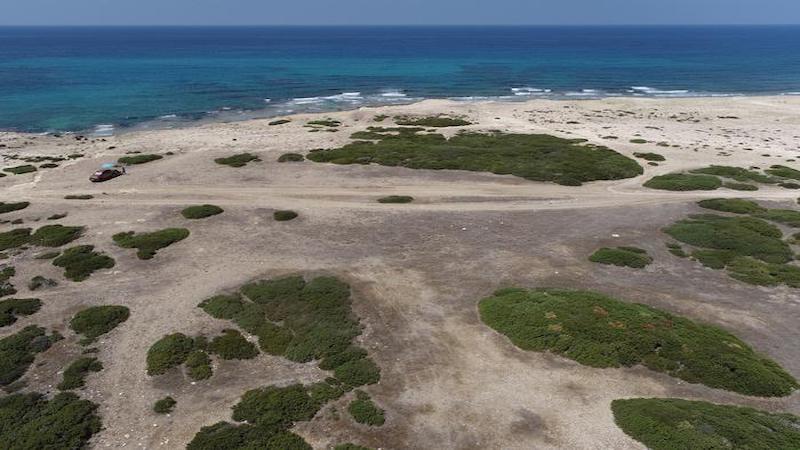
column 119, row 25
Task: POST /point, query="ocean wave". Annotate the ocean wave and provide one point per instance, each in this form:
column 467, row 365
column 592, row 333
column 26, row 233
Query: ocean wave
column 103, row 129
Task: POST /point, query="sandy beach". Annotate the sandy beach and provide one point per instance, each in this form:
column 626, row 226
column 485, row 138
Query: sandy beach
column 417, row 270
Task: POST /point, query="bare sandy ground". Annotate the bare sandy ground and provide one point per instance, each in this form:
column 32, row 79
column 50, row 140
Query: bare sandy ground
column 417, row 270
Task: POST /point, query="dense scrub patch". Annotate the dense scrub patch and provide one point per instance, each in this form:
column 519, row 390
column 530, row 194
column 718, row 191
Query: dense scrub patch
column 9, row 207
column 732, row 205
column 19, row 170
column 364, row 411
column 15, row 238
column 198, row 365
column 396, row 199
column 622, row 256
column 784, row 172
column 788, row 217
column 284, row 215
column 148, row 244
column 238, row 160
column 739, row 186
column 668, row 424
column 170, row 351
column 201, row 211
column 96, row 321
column 532, row 156
column 737, row 173
column 30, row 421
column 12, row 308
column 6, row 287
column 81, row 261
column 139, row 159
column 75, row 374
column 600, row 331
column 55, row 235
column 232, row 345
column 684, row 182
column 18, row 351
column 291, row 157
column 650, row 156
column 350, row 446
column 749, row 248
column 431, row 121
column 165, row 405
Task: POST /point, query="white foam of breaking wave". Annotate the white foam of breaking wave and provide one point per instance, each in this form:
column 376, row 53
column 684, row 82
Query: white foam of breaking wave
column 103, row 130
column 659, row 92
column 529, row 91
column 305, row 100
column 791, row 93
column 393, row 94
column 584, row 93
column 168, row 116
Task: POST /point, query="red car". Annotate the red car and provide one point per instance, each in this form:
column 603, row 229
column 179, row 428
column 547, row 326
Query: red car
column 105, row 175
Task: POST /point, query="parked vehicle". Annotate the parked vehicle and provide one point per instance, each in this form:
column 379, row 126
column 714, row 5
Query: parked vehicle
column 107, row 172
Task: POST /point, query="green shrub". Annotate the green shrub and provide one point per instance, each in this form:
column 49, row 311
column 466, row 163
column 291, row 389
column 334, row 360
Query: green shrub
column 732, row 205
column 757, row 272
column 199, row 365
column 6, row 288
column 11, row 308
column 638, row 141
column 232, row 345
column 785, row 216
column 19, row 170
column 600, row 331
column 79, row 197
column 784, row 172
column 291, row 157
column 165, row 405
column 57, row 216
column 736, row 173
column 739, row 186
column 139, row 159
column 432, row 121
column 223, row 306
column 530, row 156
column 684, row 182
column 40, row 282
column 669, row 423
column 238, row 160
column 273, row 339
column 284, row 215
column 325, row 123
column 55, row 235
column 201, row 211
column 380, row 117
column 787, row 185
column 75, row 374
column 396, row 199
column 170, row 351
column 350, row 446
column 148, row 244
column 358, row 372
column 17, row 352
column 650, row 156
column 30, row 421
column 622, row 256
column 279, row 122
column 352, row 353
column 676, row 250
column 364, row 410
column 47, row 255
column 9, row 207
column 15, row 238
column 96, row 321
column 81, row 261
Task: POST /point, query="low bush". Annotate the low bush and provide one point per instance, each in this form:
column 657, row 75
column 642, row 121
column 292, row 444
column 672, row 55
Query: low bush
column 40, row 282
column 622, row 256
column 600, row 331
column 81, row 261
column 359, row 372
column 669, row 423
column 9, row 207
column 650, row 156
column 139, row 159
column 784, row 172
column 284, row 215
column 638, row 141
column 57, row 216
column 96, row 321
column 273, row 339
column 165, row 405
column 15, row 238
column 78, row 197
column 737, row 173
column 19, row 170
column 201, row 211
column 170, row 351
column 788, row 217
column 75, row 374
column 279, row 122
column 148, row 244
column 364, row 411
column 198, row 365
column 684, row 182
column 432, row 121
column 732, row 205
column 238, row 160
column 55, row 235
column 325, row 123
column 396, row 199
column 350, row 446
column 232, row 345
column 291, row 157
column 12, row 308
column 787, row 185
column 677, row 250
column 30, row 421
column 18, row 351
column 739, row 186
column 223, row 306
column 6, row 288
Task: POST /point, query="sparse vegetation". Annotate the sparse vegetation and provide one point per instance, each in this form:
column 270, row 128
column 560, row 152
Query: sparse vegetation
column 396, row 199
column 148, row 244
column 284, row 215
column 291, row 157
column 684, row 182
column 9, row 207
column 75, row 374
column 622, row 256
column 96, row 321
column 530, row 156
column 40, row 282
column 238, row 160
column 432, row 121
column 600, row 331
column 668, row 424
column 12, row 308
column 165, row 405
column 6, row 288
column 364, row 410
column 19, row 170
column 201, row 211
column 30, row 421
column 650, row 156
column 81, row 261
column 732, row 205
column 17, row 352
column 139, row 159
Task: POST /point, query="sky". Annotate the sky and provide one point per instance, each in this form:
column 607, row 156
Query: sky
column 397, row 12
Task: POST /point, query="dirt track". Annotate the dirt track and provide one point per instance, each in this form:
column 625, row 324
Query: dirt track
column 417, row 270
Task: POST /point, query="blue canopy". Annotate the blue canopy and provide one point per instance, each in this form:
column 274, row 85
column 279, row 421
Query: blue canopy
column 108, row 166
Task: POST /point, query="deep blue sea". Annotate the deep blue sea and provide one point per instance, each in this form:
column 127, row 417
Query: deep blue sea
column 62, row 79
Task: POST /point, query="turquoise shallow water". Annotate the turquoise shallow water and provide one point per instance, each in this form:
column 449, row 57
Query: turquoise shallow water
column 61, row 79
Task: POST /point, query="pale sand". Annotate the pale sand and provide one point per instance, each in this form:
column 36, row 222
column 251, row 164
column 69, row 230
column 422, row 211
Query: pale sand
column 417, row 270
